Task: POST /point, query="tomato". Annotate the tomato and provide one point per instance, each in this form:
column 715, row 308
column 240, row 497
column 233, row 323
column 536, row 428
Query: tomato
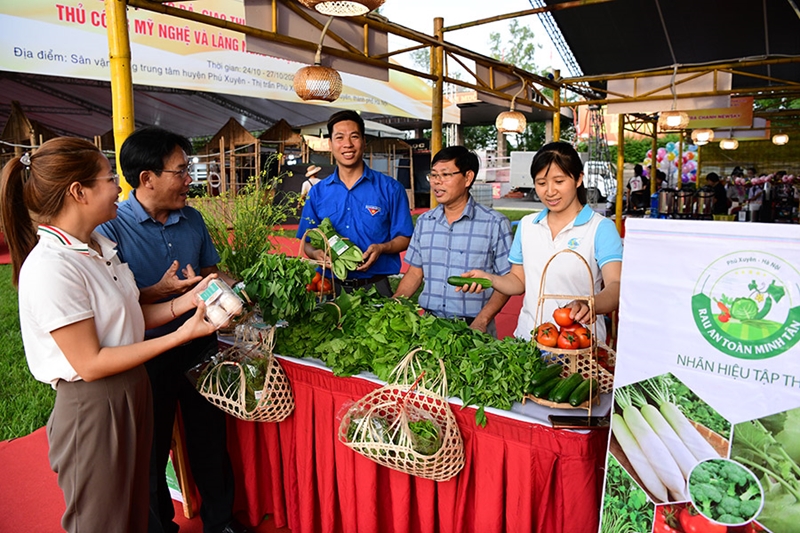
column 547, row 334
column 317, row 278
column 572, row 327
column 567, row 340
column 310, row 287
column 697, row 523
column 327, row 286
column 561, row 316
column 584, row 337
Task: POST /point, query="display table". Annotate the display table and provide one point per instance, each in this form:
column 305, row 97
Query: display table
column 520, row 475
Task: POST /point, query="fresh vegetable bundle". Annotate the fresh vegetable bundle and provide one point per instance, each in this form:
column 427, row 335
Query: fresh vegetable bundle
column 278, row 285
column 344, row 254
column 407, row 425
column 660, row 443
column 375, row 333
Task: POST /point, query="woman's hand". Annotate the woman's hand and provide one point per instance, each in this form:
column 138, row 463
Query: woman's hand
column 580, row 312
column 198, row 326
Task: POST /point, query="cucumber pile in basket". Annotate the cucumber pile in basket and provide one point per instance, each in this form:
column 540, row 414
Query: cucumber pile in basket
column 547, row 384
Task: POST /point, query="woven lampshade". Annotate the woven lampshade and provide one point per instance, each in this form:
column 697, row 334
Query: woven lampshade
column 780, row 139
column 728, row 144
column 702, row 136
column 511, row 122
column 343, row 8
column 316, row 82
column 673, row 120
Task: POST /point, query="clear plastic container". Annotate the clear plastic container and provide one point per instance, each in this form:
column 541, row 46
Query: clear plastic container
column 222, row 304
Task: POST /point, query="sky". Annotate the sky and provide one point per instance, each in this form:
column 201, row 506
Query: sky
column 419, row 14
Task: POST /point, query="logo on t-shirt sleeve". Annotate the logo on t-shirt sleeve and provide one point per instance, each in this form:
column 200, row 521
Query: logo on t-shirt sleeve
column 373, row 209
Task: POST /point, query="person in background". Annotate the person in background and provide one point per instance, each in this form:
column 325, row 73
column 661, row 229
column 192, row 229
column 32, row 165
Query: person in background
column 661, row 179
column 720, row 206
column 735, row 191
column 637, row 191
column 83, row 331
column 365, row 206
column 311, row 180
column 566, row 223
column 156, row 231
column 458, row 234
column 755, row 196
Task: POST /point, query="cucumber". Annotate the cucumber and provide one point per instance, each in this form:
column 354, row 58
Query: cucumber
column 581, row 392
column 541, row 390
column 561, row 393
column 546, row 374
column 458, row 281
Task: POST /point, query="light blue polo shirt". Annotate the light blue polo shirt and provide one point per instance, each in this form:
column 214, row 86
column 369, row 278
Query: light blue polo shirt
column 374, row 211
column 149, row 247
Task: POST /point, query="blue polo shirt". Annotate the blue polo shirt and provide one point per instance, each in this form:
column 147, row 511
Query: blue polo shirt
column 374, row 211
column 149, row 247
column 480, row 238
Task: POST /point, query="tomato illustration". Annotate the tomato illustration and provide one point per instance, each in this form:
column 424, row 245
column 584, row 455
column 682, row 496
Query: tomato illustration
column 547, row 334
column 561, row 316
column 697, row 523
column 568, row 340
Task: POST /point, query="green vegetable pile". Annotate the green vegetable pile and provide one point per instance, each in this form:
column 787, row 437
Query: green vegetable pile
column 770, row 447
column 345, row 255
column 278, row 285
column 725, row 491
column 375, row 333
column 425, row 434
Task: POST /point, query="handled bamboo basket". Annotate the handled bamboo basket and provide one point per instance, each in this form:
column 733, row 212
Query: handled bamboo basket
column 225, row 384
column 582, row 360
column 377, row 425
column 301, row 254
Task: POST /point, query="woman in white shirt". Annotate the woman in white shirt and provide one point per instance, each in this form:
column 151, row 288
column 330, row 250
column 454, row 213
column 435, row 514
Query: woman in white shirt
column 565, row 223
column 83, row 330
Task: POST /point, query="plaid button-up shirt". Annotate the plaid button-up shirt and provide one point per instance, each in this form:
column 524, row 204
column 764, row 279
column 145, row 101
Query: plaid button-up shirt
column 480, row 238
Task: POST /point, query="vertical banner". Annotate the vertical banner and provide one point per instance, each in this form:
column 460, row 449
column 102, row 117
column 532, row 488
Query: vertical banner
column 705, row 430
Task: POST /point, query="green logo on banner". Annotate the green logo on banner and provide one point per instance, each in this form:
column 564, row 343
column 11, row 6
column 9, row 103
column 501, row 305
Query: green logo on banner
column 747, row 305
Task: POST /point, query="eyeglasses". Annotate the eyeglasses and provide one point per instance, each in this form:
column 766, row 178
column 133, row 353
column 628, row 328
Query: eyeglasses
column 444, row 176
column 181, row 172
column 110, row 177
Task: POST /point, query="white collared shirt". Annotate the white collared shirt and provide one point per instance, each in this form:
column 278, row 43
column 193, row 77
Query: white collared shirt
column 63, row 281
column 591, row 235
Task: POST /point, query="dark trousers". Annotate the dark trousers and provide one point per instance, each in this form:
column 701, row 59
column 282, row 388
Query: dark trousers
column 206, row 442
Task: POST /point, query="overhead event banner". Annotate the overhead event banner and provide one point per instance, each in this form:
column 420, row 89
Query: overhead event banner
column 68, row 38
column 740, row 113
column 705, row 429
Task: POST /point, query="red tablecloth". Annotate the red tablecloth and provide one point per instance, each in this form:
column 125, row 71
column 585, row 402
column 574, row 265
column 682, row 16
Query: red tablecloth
column 518, row 477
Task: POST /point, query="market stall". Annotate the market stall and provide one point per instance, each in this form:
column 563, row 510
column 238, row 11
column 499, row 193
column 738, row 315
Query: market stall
column 520, row 474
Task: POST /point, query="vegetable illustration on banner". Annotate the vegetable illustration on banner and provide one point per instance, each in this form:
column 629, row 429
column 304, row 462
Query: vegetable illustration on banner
column 705, row 422
column 742, row 307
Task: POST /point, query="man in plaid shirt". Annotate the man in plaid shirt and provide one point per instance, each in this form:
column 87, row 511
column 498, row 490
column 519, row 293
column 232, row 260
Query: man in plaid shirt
column 456, row 236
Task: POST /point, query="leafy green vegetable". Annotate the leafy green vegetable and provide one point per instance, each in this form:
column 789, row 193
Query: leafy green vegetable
column 693, row 406
column 625, row 506
column 425, row 437
column 345, row 255
column 764, row 445
column 376, row 333
column 278, row 284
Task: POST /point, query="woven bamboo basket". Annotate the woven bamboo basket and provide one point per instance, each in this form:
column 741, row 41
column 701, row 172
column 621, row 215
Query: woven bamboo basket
column 409, row 399
column 225, row 384
column 316, row 82
column 584, row 360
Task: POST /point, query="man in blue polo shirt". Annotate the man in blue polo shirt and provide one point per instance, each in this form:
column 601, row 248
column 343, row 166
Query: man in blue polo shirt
column 458, row 235
column 156, row 232
column 365, row 206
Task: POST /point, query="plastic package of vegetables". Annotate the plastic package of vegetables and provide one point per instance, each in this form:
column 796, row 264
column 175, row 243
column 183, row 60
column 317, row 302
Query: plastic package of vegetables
column 406, row 425
column 246, row 381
